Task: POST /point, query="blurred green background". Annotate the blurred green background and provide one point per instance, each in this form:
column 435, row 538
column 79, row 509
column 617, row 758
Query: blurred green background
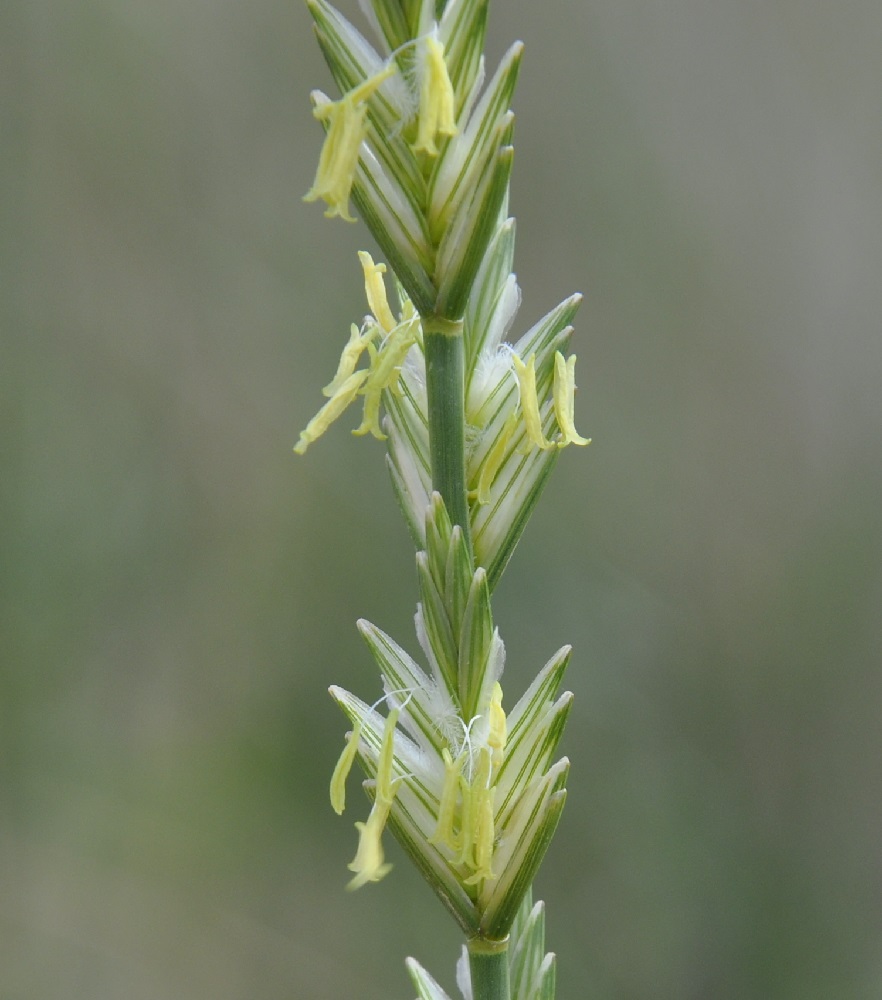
column 178, row 590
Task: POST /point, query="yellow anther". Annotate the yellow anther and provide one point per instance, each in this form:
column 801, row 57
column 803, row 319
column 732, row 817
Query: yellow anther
column 526, row 374
column 386, row 786
column 473, row 794
column 369, row 862
column 498, row 729
column 467, row 824
column 481, row 777
column 356, row 345
column 387, row 365
column 485, row 834
column 564, row 400
column 408, row 312
column 493, row 460
column 375, row 289
column 384, row 373
column 444, row 831
column 436, row 99
column 370, row 421
column 344, row 766
column 331, row 410
column 338, row 161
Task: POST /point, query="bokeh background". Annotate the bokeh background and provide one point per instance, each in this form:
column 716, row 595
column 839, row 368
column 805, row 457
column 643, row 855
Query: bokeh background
column 178, row 590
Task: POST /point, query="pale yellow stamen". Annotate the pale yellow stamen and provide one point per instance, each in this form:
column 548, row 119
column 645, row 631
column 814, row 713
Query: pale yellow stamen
column 473, row 794
column 436, row 99
column 498, row 727
column 338, row 161
column 473, row 841
column 375, row 289
column 386, row 786
column 444, row 832
column 370, row 420
column 481, row 779
column 384, row 374
column 493, row 460
column 369, row 863
column 526, row 374
column 387, row 366
column 356, row 346
column 467, row 824
column 564, row 400
column 485, row 834
column 481, row 829
column 344, row 766
column 331, row 410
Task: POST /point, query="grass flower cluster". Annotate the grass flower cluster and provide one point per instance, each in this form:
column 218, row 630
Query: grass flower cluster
column 474, row 420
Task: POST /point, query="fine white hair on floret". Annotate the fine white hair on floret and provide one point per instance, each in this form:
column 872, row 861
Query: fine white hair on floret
column 490, row 368
column 408, row 65
column 445, row 718
column 405, row 94
column 481, row 375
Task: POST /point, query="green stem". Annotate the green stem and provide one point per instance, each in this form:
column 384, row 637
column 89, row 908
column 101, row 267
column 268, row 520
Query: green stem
column 445, row 387
column 488, row 963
